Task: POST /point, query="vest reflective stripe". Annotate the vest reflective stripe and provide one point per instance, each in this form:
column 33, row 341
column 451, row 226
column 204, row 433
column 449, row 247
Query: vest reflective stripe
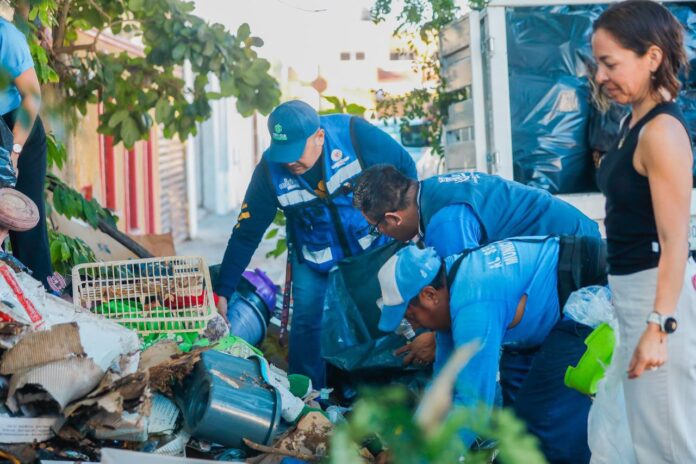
column 325, row 230
column 317, row 257
column 342, row 175
column 295, row 197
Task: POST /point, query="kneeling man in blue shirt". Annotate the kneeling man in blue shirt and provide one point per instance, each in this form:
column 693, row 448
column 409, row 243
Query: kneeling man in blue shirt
column 507, row 293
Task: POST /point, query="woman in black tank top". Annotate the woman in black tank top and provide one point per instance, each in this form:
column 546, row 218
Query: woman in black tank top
column 647, row 180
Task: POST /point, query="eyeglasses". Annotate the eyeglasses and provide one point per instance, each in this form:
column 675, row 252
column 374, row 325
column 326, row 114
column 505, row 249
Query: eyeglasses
column 374, row 228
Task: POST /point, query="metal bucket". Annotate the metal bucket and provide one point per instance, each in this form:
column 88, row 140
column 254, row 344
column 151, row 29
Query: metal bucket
column 226, row 399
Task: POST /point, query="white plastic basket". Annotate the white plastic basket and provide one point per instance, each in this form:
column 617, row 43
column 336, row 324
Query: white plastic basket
column 151, row 296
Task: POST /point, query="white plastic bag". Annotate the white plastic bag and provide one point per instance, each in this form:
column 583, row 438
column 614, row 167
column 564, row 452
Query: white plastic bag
column 591, row 306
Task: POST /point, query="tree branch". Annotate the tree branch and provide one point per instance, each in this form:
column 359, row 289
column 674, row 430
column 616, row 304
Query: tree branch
column 59, row 36
column 74, row 48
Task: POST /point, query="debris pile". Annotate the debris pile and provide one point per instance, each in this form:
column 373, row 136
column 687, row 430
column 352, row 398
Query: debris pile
column 76, row 385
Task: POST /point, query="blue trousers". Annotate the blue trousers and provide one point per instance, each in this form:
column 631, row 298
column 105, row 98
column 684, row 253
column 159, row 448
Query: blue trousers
column 308, row 291
column 556, row 414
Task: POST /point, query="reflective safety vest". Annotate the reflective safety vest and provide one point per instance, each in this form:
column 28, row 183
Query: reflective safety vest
column 325, row 230
column 504, row 208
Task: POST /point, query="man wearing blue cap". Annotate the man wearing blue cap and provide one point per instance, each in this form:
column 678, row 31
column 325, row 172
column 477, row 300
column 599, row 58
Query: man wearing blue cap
column 507, row 293
column 308, row 172
column 458, row 211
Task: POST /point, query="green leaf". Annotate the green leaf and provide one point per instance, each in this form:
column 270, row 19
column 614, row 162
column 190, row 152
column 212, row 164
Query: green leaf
column 117, row 118
column 243, row 32
column 179, row 52
column 136, row 5
column 129, row 132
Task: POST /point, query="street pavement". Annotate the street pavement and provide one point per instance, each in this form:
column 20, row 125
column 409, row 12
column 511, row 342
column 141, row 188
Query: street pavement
column 214, row 232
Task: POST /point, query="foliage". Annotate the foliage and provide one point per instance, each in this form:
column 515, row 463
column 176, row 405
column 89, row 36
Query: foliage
column 136, row 89
column 388, row 413
column 340, row 105
column 422, row 19
column 66, row 252
column 72, row 204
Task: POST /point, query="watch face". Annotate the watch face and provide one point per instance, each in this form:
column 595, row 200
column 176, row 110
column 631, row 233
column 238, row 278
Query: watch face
column 17, row 148
column 670, row 325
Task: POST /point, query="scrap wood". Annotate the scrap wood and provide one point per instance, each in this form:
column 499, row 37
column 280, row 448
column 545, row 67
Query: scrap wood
column 108, row 403
column 176, row 369
column 282, row 452
column 158, row 353
column 59, row 342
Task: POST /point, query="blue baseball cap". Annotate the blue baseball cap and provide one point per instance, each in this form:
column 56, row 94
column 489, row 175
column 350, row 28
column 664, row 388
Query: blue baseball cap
column 290, row 125
column 401, row 279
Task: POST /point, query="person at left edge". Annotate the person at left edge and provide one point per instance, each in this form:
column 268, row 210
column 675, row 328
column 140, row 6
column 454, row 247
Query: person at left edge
column 20, row 102
column 308, row 172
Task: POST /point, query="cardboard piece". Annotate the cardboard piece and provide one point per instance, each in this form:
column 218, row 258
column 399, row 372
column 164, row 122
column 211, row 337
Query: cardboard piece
column 59, row 382
column 160, row 245
column 38, row 348
column 117, row 408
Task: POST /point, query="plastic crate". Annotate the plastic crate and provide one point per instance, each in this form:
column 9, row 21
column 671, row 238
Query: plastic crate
column 150, row 296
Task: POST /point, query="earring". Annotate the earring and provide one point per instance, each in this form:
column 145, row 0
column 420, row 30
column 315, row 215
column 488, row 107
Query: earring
column 652, row 75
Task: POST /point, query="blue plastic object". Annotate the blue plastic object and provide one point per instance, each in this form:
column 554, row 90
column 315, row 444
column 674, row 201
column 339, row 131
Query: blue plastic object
column 247, row 319
column 225, row 399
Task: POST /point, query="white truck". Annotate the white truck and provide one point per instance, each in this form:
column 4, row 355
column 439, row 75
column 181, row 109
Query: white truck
column 478, row 133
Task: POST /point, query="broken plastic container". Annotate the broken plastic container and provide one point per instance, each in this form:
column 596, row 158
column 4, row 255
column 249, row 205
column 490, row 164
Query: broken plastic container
column 226, row 400
column 592, row 366
column 251, row 306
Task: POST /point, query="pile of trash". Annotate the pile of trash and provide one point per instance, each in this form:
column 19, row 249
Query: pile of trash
column 75, row 385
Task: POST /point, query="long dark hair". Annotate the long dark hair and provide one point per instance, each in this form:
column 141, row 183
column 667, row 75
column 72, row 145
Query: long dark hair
column 639, row 24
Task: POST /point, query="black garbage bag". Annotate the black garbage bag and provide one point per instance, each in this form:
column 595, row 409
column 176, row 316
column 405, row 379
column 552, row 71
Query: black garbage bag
column 549, row 42
column 686, row 14
column 350, row 339
column 8, row 175
column 550, row 118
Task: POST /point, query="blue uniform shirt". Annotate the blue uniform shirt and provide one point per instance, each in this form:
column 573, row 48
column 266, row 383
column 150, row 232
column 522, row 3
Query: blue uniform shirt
column 452, row 229
column 484, row 296
column 261, row 203
column 15, row 58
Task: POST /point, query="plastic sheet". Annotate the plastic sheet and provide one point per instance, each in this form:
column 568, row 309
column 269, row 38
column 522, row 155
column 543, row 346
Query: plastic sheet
column 549, row 128
column 549, row 56
column 591, row 306
column 686, row 14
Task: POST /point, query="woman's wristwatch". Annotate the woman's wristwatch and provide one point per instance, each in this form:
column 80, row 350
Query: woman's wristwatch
column 17, row 148
column 667, row 324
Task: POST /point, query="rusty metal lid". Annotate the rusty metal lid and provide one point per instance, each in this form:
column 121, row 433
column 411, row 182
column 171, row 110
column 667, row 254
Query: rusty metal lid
column 17, row 211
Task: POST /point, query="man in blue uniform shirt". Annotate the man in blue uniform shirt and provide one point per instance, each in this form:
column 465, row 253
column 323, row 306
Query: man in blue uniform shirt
column 308, row 172
column 459, row 211
column 507, row 293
